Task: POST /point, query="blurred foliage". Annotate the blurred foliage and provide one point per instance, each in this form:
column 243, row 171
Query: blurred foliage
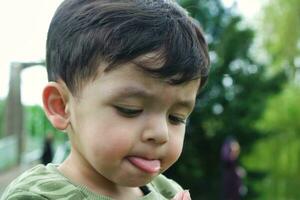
column 37, row 124
column 280, row 123
column 281, row 33
column 283, row 112
column 278, row 153
column 234, row 98
column 276, row 158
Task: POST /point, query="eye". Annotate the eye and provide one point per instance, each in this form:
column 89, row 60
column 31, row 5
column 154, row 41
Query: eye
column 176, row 120
column 128, row 112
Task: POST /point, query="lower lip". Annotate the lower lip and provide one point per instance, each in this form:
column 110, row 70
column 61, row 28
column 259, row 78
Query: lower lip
column 148, row 166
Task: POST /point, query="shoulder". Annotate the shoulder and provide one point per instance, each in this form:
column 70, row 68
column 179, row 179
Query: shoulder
column 165, row 186
column 19, row 194
column 40, row 182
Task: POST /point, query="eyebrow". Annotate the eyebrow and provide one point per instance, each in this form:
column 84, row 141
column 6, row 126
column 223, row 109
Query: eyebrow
column 133, row 92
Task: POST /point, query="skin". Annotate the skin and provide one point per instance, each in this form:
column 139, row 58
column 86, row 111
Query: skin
column 122, row 113
column 184, row 195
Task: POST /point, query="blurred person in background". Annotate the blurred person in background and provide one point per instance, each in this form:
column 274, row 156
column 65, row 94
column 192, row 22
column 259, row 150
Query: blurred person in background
column 47, row 153
column 232, row 173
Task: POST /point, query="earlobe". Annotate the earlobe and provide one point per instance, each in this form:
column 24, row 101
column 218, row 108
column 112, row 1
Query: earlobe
column 55, row 101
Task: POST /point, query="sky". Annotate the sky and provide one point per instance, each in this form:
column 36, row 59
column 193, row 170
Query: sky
column 24, row 26
column 23, row 32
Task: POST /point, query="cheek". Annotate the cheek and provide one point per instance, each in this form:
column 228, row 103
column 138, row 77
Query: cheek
column 174, row 150
column 109, row 142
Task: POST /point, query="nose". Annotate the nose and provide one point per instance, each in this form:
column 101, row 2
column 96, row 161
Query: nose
column 156, row 130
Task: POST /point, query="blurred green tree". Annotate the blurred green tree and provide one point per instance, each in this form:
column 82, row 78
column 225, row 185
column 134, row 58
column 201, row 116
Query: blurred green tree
column 37, row 125
column 280, row 120
column 280, row 123
column 229, row 105
column 281, row 37
column 283, row 112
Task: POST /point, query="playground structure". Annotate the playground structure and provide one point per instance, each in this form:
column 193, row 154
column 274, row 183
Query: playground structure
column 13, row 109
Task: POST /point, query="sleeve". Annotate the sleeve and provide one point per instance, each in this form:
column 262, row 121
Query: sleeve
column 21, row 195
column 166, row 187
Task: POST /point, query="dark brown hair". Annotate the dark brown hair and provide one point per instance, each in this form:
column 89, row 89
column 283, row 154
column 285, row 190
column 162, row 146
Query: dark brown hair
column 84, row 33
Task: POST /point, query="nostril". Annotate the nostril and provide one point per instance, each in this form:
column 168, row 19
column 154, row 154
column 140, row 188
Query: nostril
column 157, row 138
column 156, row 130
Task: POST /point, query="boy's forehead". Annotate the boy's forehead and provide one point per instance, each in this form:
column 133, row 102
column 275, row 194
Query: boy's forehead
column 130, row 81
column 184, row 95
column 144, row 64
column 138, row 66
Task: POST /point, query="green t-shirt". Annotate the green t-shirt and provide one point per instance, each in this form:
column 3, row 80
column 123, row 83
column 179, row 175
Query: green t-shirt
column 46, row 182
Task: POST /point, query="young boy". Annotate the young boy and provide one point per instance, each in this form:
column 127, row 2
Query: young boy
column 124, row 76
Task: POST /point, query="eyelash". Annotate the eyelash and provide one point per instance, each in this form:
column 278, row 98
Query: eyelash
column 176, row 120
column 129, row 112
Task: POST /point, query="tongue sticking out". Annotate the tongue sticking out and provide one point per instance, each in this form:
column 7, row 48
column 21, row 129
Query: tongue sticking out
column 150, row 166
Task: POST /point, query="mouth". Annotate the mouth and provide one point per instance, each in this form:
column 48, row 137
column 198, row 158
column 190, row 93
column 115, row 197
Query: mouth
column 150, row 166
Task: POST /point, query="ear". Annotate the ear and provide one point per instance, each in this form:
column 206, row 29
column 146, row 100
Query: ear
column 55, row 101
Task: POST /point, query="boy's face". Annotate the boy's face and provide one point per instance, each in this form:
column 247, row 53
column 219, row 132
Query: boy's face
column 126, row 127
